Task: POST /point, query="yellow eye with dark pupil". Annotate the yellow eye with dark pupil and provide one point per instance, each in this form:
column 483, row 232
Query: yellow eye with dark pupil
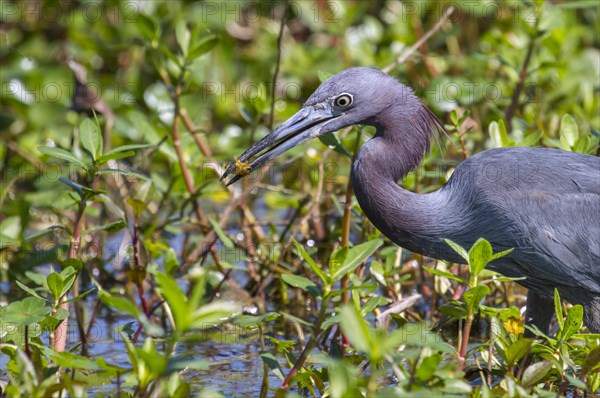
column 343, row 100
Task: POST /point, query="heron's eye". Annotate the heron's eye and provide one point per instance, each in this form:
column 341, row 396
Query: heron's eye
column 343, row 101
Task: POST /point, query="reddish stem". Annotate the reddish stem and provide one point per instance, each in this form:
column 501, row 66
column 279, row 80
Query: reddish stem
column 465, row 342
column 139, row 281
column 60, row 343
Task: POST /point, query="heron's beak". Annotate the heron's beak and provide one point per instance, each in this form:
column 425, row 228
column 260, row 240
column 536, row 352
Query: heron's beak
column 303, row 126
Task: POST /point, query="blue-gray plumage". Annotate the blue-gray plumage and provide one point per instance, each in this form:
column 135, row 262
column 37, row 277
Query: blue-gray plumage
column 544, row 203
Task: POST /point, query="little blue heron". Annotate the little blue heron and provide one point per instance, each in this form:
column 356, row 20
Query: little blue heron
column 544, row 203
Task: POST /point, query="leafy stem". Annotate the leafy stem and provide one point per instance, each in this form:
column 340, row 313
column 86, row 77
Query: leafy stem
column 310, row 344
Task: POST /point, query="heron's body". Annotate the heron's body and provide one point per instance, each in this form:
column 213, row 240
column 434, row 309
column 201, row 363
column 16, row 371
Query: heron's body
column 543, row 203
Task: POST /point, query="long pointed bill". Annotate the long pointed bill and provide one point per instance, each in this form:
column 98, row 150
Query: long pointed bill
column 303, row 126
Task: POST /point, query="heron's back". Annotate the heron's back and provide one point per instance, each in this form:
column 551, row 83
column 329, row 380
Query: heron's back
column 531, row 169
column 544, row 203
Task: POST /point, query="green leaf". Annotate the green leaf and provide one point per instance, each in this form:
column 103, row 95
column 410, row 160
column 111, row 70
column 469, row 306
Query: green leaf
column 531, row 139
column 503, row 314
column 146, row 26
column 29, row 290
column 575, row 382
column 454, row 117
column 356, row 256
column 416, row 335
column 67, row 359
column 445, row 274
column 127, row 148
column 55, row 284
column 569, row 132
column 176, row 364
column 496, row 278
column 536, row 373
column 272, row 363
column 298, row 281
column 316, row 269
column 355, row 329
column 295, row 319
column 119, row 303
column 82, row 295
column 253, row 322
column 170, row 262
column 28, row 311
column 390, row 260
column 502, row 254
column 204, row 46
column 77, row 187
column 72, row 262
column 182, row 35
column 353, row 279
column 67, row 272
column 228, row 243
column 212, row 314
column 454, row 310
column 582, row 144
column 428, row 366
column 591, row 362
column 337, row 259
column 121, row 152
column 332, row 141
column 68, row 275
column 138, row 206
column 127, row 173
column 6, row 120
column 371, row 304
column 473, row 297
column 61, row 154
column 572, row 323
column 114, row 156
column 50, row 322
column 198, row 289
column 110, row 227
column 176, row 300
column 90, row 137
column 517, row 350
column 498, row 134
column 165, row 50
column 329, row 322
column 82, row 190
column 343, row 376
column 464, row 116
column 247, row 321
column 456, row 387
column 7, row 241
column 575, row 4
column 479, row 256
column 40, row 233
column 558, row 310
column 458, row 249
column 144, row 192
column 11, row 227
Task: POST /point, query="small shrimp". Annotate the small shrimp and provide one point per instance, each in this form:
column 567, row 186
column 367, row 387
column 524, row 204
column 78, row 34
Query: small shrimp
column 242, row 168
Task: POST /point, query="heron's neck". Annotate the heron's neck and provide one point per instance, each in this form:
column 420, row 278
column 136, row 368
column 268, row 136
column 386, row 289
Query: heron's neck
column 416, row 222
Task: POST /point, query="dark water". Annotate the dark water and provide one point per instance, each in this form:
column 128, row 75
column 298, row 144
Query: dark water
column 235, row 370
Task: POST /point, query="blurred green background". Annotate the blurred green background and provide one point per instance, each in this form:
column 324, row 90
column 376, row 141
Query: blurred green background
column 496, row 73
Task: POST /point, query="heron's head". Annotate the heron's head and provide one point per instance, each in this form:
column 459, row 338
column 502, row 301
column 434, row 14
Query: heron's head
column 354, row 96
